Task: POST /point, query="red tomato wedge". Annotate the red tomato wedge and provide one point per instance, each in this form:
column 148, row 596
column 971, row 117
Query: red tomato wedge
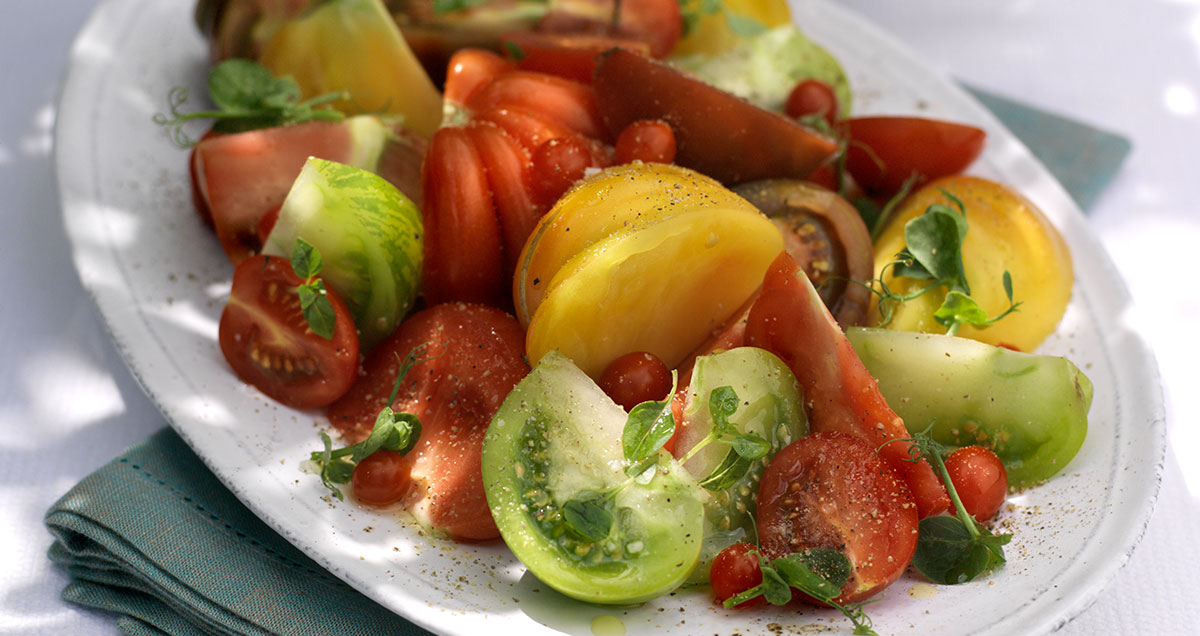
column 831, row 490
column 507, row 164
column 470, row 70
column 789, row 320
column 478, row 361
column 464, row 257
column 529, row 129
column 569, row 103
column 885, row 151
column 716, row 133
column 265, row 337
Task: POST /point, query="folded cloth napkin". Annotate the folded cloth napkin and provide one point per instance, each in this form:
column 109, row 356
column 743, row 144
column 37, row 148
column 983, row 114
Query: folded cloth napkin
column 154, row 537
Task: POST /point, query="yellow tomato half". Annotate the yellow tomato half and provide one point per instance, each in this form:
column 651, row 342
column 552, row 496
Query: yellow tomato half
column 1005, row 232
column 711, row 33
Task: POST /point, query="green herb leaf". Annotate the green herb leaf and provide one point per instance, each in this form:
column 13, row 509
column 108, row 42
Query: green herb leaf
column 306, row 259
column 514, row 50
column 960, row 309
column 818, row 572
column 318, row 309
column 948, row 554
column 934, row 240
column 589, row 514
column 649, row 426
column 750, row 446
column 728, row 472
column 450, row 6
column 723, row 403
column 743, row 26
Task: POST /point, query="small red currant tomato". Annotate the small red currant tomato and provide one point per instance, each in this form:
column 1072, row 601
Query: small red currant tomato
column 734, row 571
column 812, row 97
column 382, row 478
column 648, row 140
column 980, row 479
column 635, row 378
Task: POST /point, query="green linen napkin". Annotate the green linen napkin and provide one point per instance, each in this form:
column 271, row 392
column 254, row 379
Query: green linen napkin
column 154, row 537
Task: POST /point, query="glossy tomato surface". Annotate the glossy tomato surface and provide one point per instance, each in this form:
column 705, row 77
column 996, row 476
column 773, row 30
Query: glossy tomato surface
column 980, row 479
column 634, row 378
column 831, row 490
column 735, row 570
column 382, row 478
column 476, row 360
column 885, row 151
column 265, row 337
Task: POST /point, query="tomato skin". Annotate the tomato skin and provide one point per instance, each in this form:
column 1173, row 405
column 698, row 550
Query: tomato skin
column 812, row 97
column 636, row 377
column 648, row 140
column 658, row 23
column 464, row 258
column 735, row 570
column 508, row 166
column 790, row 320
column 569, row 103
column 980, row 480
column 884, row 151
column 558, row 164
column 265, row 338
column 478, row 361
column 831, row 490
column 381, row 478
column 716, row 133
column 470, row 70
column 568, row 55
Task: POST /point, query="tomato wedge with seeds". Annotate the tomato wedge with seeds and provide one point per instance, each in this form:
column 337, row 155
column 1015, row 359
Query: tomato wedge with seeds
column 265, row 337
column 831, row 490
column 476, row 359
column 470, row 70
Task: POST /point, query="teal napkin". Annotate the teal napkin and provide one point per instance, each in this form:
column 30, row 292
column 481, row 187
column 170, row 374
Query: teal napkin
column 155, row 538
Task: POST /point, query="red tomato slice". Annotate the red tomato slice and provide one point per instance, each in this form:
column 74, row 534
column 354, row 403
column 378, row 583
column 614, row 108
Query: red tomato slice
column 885, row 151
column 569, row 103
column 470, row 70
column 529, row 129
column 265, row 337
column 831, row 490
column 464, row 253
column 658, row 23
column 507, row 165
column 455, row 395
column 569, row 55
column 716, row 133
column 789, row 320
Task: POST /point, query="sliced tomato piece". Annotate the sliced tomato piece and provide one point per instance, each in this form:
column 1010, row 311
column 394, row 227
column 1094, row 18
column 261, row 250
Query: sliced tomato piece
column 476, row 359
column 464, row 253
column 528, row 128
column 885, row 151
column 470, row 70
column 507, row 165
column 265, row 337
column 716, row 133
column 790, row 320
column 569, row 103
column 569, row 55
column 831, row 490
column 658, row 23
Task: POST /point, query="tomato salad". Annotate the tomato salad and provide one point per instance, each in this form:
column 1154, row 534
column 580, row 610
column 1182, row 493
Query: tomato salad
column 560, row 274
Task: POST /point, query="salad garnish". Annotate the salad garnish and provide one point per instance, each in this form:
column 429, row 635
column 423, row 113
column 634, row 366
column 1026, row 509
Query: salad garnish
column 933, row 252
column 247, row 97
column 314, row 298
column 745, row 448
column 396, row 432
column 952, row 549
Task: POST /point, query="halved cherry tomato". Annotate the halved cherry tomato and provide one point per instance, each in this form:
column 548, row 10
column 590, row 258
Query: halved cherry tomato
column 649, row 140
column 569, row 55
column 658, row 23
column 634, row 378
column 980, row 480
column 886, row 151
column 561, row 100
column 470, row 70
column 382, row 478
column 812, row 97
column 790, row 320
column 265, row 337
column 474, row 358
column 464, row 257
column 831, row 490
column 735, row 570
column 716, row 133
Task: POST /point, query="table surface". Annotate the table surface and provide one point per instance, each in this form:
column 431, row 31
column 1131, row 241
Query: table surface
column 68, row 404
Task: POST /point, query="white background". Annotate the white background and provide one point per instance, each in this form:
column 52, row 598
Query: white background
column 68, row 405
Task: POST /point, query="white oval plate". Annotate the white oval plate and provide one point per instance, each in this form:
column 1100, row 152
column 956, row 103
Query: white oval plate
column 160, row 280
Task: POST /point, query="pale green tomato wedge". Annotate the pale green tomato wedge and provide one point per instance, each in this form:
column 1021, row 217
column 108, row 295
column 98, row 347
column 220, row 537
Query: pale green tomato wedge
column 369, row 237
column 1030, row 409
column 556, row 438
column 769, row 406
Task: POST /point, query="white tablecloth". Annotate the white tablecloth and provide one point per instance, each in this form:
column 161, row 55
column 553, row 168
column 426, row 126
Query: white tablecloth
column 68, row 404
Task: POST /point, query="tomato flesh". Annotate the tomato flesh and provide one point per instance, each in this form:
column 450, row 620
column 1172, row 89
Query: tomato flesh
column 980, row 479
column 479, row 360
column 265, row 337
column 885, row 151
column 831, row 490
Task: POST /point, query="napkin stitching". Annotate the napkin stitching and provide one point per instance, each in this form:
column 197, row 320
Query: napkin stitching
column 217, row 518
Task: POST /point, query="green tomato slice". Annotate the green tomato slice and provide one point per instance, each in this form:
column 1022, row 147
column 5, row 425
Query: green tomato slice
column 555, row 441
column 369, row 237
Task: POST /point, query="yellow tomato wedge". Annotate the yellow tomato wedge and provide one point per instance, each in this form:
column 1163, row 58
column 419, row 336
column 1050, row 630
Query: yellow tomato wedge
column 711, row 34
column 1005, row 232
column 355, row 46
column 617, row 199
column 660, row 288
